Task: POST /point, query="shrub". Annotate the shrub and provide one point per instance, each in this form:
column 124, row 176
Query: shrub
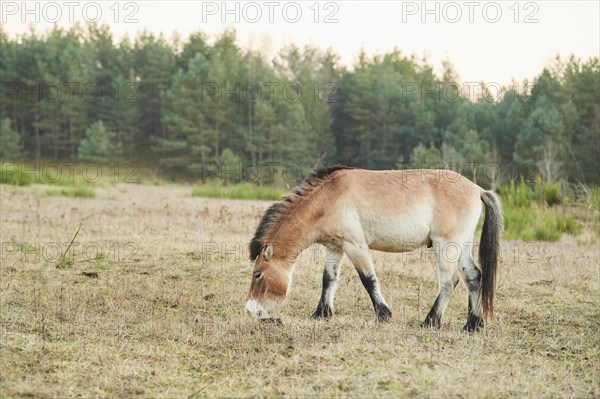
column 549, row 193
column 516, row 195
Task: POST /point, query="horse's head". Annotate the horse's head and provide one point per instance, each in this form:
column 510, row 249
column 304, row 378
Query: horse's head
column 271, row 279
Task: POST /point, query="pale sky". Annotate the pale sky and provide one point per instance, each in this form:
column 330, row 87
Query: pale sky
column 486, row 41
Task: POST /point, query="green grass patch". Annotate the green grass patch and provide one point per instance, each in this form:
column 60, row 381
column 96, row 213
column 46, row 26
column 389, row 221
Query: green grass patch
column 238, row 191
column 22, row 248
column 77, row 191
column 14, row 174
column 595, row 198
column 64, row 262
column 535, row 223
column 549, row 193
column 516, row 195
column 62, row 180
column 530, row 212
column 522, row 195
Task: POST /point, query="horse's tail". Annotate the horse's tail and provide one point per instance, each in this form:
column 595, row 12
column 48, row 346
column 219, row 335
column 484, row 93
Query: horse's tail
column 489, row 249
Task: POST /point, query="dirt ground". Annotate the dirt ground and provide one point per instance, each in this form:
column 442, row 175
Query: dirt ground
column 148, row 300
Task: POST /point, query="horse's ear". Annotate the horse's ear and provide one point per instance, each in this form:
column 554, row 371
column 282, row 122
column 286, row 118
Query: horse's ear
column 268, row 252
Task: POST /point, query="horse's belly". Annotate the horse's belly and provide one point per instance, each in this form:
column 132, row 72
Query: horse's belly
column 398, row 234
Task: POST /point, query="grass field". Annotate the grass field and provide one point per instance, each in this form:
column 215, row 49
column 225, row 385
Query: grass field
column 150, row 302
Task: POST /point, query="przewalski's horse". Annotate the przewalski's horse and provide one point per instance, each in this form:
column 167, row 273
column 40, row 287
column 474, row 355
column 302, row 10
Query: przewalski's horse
column 351, row 211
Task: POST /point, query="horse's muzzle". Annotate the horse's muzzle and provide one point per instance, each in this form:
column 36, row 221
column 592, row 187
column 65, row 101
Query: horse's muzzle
column 255, row 309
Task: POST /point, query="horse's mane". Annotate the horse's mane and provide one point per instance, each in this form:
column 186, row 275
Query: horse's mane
column 275, row 212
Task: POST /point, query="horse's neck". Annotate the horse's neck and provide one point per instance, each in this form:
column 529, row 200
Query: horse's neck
column 297, row 233
column 292, row 240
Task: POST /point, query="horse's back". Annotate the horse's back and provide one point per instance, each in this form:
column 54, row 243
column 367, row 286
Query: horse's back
column 399, row 210
column 399, row 190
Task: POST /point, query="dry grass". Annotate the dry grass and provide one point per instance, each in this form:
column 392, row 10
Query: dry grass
column 152, row 305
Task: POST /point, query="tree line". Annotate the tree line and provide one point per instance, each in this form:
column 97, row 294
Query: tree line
column 79, row 94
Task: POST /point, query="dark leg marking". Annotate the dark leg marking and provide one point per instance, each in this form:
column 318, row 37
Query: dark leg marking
column 474, row 320
column 324, row 310
column 433, row 319
column 474, row 323
column 370, row 283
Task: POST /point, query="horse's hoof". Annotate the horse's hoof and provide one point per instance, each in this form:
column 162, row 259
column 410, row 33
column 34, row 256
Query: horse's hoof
column 383, row 314
column 473, row 325
column 431, row 323
column 322, row 313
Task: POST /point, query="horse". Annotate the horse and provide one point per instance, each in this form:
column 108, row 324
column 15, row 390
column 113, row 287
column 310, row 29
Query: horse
column 352, row 211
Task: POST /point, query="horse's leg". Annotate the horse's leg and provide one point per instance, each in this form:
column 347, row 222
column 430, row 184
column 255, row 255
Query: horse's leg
column 362, row 261
column 472, row 277
column 330, row 278
column 448, row 279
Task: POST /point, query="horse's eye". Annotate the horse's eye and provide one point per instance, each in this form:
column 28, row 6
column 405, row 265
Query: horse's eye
column 257, row 275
